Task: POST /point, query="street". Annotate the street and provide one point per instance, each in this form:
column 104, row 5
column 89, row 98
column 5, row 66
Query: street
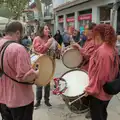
column 59, row 110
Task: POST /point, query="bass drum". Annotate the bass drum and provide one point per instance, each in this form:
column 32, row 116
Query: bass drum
column 75, row 82
column 46, row 66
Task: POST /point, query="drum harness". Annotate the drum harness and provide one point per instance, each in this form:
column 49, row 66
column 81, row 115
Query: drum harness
column 5, row 45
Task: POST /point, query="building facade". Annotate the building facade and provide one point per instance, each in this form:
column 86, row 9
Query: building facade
column 33, row 17
column 77, row 13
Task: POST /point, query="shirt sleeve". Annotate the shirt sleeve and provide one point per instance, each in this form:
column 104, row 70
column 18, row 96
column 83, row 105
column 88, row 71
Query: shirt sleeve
column 87, row 51
column 98, row 71
column 39, row 46
column 23, row 66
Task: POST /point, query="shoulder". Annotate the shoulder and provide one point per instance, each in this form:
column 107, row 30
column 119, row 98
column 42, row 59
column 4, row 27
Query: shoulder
column 37, row 39
column 102, row 52
column 17, row 48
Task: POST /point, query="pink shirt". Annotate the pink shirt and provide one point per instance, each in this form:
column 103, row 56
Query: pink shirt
column 101, row 70
column 17, row 65
column 40, row 45
column 87, row 51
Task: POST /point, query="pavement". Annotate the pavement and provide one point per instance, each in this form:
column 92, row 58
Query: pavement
column 59, row 110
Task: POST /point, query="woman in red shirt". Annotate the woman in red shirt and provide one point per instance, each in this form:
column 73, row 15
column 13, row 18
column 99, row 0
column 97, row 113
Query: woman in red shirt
column 103, row 67
column 41, row 45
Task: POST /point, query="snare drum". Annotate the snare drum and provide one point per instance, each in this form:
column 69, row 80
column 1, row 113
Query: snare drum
column 72, row 58
column 71, row 87
column 46, row 67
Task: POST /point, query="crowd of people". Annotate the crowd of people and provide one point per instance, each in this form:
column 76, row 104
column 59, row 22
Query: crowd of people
column 98, row 47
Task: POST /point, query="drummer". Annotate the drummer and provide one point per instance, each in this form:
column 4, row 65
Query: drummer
column 103, row 67
column 87, row 50
column 16, row 100
column 41, row 44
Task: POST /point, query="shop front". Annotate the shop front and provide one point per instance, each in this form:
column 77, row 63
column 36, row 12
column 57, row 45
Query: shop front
column 85, row 17
column 60, row 21
column 105, row 14
column 70, row 20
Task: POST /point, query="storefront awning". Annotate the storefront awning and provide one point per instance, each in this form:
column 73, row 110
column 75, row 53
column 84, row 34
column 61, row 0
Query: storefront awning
column 70, row 4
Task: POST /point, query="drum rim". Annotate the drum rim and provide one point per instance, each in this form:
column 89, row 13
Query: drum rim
column 71, row 71
column 53, row 71
column 65, row 53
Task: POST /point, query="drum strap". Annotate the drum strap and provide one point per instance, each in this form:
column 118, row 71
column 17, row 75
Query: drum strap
column 6, row 44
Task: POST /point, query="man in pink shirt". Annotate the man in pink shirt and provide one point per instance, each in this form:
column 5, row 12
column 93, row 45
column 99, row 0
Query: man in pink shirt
column 16, row 99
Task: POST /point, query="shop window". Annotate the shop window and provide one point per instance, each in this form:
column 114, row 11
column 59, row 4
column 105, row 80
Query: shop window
column 105, row 13
column 89, row 11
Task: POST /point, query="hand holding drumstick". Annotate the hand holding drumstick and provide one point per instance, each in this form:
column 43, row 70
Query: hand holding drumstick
column 76, row 46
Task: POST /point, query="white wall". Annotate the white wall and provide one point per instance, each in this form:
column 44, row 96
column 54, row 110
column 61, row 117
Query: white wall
column 56, row 3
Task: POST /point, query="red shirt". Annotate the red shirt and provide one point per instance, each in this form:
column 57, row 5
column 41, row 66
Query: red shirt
column 40, row 45
column 18, row 66
column 87, row 51
column 101, row 70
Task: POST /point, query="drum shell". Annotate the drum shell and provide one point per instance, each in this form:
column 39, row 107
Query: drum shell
column 77, row 106
column 41, row 80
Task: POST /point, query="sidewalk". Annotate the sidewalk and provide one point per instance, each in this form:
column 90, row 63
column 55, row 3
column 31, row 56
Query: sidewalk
column 59, row 111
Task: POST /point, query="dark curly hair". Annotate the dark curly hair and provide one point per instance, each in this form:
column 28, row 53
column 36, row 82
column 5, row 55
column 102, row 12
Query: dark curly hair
column 106, row 33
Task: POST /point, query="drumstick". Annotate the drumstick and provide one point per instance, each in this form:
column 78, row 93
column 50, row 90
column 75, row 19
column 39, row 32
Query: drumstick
column 76, row 99
column 72, row 44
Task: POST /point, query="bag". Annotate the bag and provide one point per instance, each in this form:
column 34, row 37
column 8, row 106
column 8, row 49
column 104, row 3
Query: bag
column 113, row 87
column 5, row 45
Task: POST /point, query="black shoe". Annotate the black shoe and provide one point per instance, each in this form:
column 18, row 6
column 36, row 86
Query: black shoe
column 37, row 104
column 48, row 104
column 88, row 115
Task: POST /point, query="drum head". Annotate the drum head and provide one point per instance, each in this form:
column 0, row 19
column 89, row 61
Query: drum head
column 72, row 58
column 46, row 68
column 76, row 81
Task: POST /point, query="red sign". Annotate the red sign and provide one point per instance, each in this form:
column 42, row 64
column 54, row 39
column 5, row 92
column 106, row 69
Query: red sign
column 60, row 20
column 85, row 17
column 72, row 19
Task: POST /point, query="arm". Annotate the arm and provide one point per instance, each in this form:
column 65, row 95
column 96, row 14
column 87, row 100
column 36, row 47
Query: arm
column 97, row 74
column 23, row 66
column 88, row 50
column 40, row 47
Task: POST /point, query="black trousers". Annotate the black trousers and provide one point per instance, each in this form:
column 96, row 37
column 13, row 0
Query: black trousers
column 98, row 108
column 46, row 93
column 20, row 113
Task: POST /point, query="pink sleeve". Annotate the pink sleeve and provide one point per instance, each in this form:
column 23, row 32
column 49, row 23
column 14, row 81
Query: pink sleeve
column 39, row 46
column 97, row 68
column 87, row 51
column 23, row 66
